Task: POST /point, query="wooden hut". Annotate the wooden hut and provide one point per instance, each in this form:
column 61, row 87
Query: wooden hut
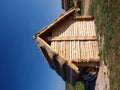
column 69, row 43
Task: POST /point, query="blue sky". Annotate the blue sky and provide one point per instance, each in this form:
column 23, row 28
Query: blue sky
column 21, row 64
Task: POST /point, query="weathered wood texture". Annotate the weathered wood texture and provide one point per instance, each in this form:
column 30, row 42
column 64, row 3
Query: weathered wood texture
column 72, row 38
column 75, row 40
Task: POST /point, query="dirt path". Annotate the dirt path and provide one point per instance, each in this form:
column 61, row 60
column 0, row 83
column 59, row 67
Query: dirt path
column 86, row 7
column 103, row 81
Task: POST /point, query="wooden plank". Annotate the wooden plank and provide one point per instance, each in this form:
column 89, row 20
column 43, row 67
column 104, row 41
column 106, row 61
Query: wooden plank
column 69, row 28
column 85, row 50
column 70, row 50
column 94, row 30
column 91, row 63
column 58, row 47
column 59, row 51
column 82, row 26
column 88, row 28
column 81, row 46
column 84, row 17
column 70, row 42
column 72, row 38
column 67, row 50
column 91, row 28
column 85, row 60
column 83, row 30
column 77, row 49
column 84, row 54
column 76, row 28
column 72, row 55
column 90, row 49
column 72, row 29
column 80, row 31
column 74, row 50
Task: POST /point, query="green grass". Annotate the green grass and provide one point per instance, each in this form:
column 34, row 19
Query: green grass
column 77, row 13
column 107, row 14
column 78, row 86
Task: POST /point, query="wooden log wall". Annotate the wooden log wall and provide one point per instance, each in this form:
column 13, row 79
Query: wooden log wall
column 83, row 47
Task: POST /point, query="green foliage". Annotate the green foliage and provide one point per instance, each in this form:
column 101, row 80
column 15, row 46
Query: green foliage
column 77, row 13
column 79, row 86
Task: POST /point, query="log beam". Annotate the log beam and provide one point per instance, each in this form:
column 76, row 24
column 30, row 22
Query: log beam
column 69, row 38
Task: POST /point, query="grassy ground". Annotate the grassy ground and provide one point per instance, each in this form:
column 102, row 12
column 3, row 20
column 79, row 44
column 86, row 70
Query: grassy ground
column 78, row 86
column 107, row 14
